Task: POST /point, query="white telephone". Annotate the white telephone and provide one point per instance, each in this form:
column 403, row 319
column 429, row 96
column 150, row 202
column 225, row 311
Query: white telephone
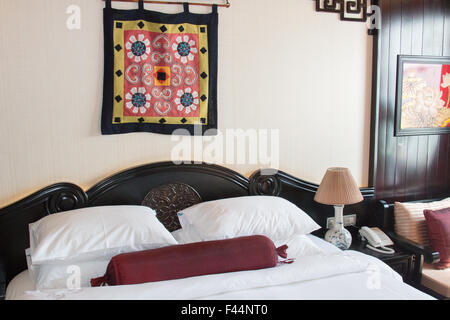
column 377, row 239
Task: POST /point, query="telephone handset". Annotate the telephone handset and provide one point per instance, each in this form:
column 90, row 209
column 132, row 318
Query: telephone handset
column 377, row 239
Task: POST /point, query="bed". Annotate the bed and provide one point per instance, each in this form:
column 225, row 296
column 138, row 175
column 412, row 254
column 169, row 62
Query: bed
column 168, row 188
column 361, row 277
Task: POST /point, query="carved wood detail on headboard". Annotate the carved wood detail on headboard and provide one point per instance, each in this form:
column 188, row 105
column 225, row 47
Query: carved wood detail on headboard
column 167, row 200
column 265, row 185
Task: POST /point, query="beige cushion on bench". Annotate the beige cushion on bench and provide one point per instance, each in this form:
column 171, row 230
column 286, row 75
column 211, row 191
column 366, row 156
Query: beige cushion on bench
column 410, row 221
column 436, row 280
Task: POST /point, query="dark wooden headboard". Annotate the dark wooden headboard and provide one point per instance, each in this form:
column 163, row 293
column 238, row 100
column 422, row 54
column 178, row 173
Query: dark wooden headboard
column 166, row 187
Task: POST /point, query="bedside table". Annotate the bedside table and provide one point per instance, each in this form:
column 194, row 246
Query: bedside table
column 401, row 261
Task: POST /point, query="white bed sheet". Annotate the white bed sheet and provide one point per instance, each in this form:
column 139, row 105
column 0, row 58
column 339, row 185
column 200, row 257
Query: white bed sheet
column 362, row 278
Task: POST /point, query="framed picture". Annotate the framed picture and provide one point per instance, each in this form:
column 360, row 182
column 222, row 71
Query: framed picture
column 423, row 97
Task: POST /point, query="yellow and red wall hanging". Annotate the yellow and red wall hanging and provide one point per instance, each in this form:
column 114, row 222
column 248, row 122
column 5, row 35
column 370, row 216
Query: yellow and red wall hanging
column 160, row 71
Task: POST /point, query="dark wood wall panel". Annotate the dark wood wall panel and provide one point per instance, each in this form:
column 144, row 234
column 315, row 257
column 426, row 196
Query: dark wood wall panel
column 412, row 167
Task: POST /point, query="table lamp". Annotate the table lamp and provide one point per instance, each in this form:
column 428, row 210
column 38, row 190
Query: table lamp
column 338, row 188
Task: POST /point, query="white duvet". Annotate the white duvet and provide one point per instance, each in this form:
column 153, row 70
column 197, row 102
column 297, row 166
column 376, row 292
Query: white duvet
column 331, row 274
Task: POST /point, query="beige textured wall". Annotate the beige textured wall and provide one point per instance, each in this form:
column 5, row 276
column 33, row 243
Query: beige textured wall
column 281, row 65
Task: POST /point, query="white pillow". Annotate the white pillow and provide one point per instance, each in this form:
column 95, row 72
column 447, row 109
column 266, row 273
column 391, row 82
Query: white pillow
column 300, row 246
column 186, row 236
column 69, row 276
column 274, row 217
column 65, row 276
column 96, row 233
column 32, row 270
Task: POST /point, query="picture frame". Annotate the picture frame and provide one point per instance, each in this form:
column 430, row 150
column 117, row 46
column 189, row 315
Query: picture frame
column 423, row 96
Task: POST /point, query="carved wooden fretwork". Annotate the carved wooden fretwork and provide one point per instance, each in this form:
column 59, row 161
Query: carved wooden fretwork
column 349, row 10
column 168, row 200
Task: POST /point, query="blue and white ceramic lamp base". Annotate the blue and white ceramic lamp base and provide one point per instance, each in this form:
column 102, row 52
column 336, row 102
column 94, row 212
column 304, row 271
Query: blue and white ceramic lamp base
column 338, row 235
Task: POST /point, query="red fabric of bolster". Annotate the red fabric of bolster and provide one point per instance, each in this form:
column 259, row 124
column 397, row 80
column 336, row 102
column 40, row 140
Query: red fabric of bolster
column 438, row 226
column 190, row 260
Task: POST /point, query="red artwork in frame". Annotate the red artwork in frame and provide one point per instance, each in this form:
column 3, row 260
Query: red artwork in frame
column 423, row 97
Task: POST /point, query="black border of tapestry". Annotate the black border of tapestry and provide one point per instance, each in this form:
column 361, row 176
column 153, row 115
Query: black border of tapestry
column 110, row 124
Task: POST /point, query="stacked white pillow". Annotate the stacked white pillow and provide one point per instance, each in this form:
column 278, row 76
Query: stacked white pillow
column 69, row 248
column 274, row 217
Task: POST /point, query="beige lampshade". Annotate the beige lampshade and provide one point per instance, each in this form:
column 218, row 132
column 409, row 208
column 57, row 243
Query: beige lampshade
column 338, row 187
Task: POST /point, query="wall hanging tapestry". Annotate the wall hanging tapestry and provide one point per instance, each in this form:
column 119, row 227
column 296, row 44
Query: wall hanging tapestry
column 160, row 71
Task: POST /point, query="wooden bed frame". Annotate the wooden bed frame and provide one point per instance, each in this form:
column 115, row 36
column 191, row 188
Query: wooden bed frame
column 164, row 186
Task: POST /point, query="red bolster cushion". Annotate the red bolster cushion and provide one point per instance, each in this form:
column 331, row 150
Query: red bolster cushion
column 438, row 226
column 190, row 260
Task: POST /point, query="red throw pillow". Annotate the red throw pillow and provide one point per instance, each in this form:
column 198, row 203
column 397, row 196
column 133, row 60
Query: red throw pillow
column 193, row 259
column 438, row 225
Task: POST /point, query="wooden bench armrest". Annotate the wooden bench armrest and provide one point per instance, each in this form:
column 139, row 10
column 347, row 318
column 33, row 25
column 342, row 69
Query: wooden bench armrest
column 428, row 254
